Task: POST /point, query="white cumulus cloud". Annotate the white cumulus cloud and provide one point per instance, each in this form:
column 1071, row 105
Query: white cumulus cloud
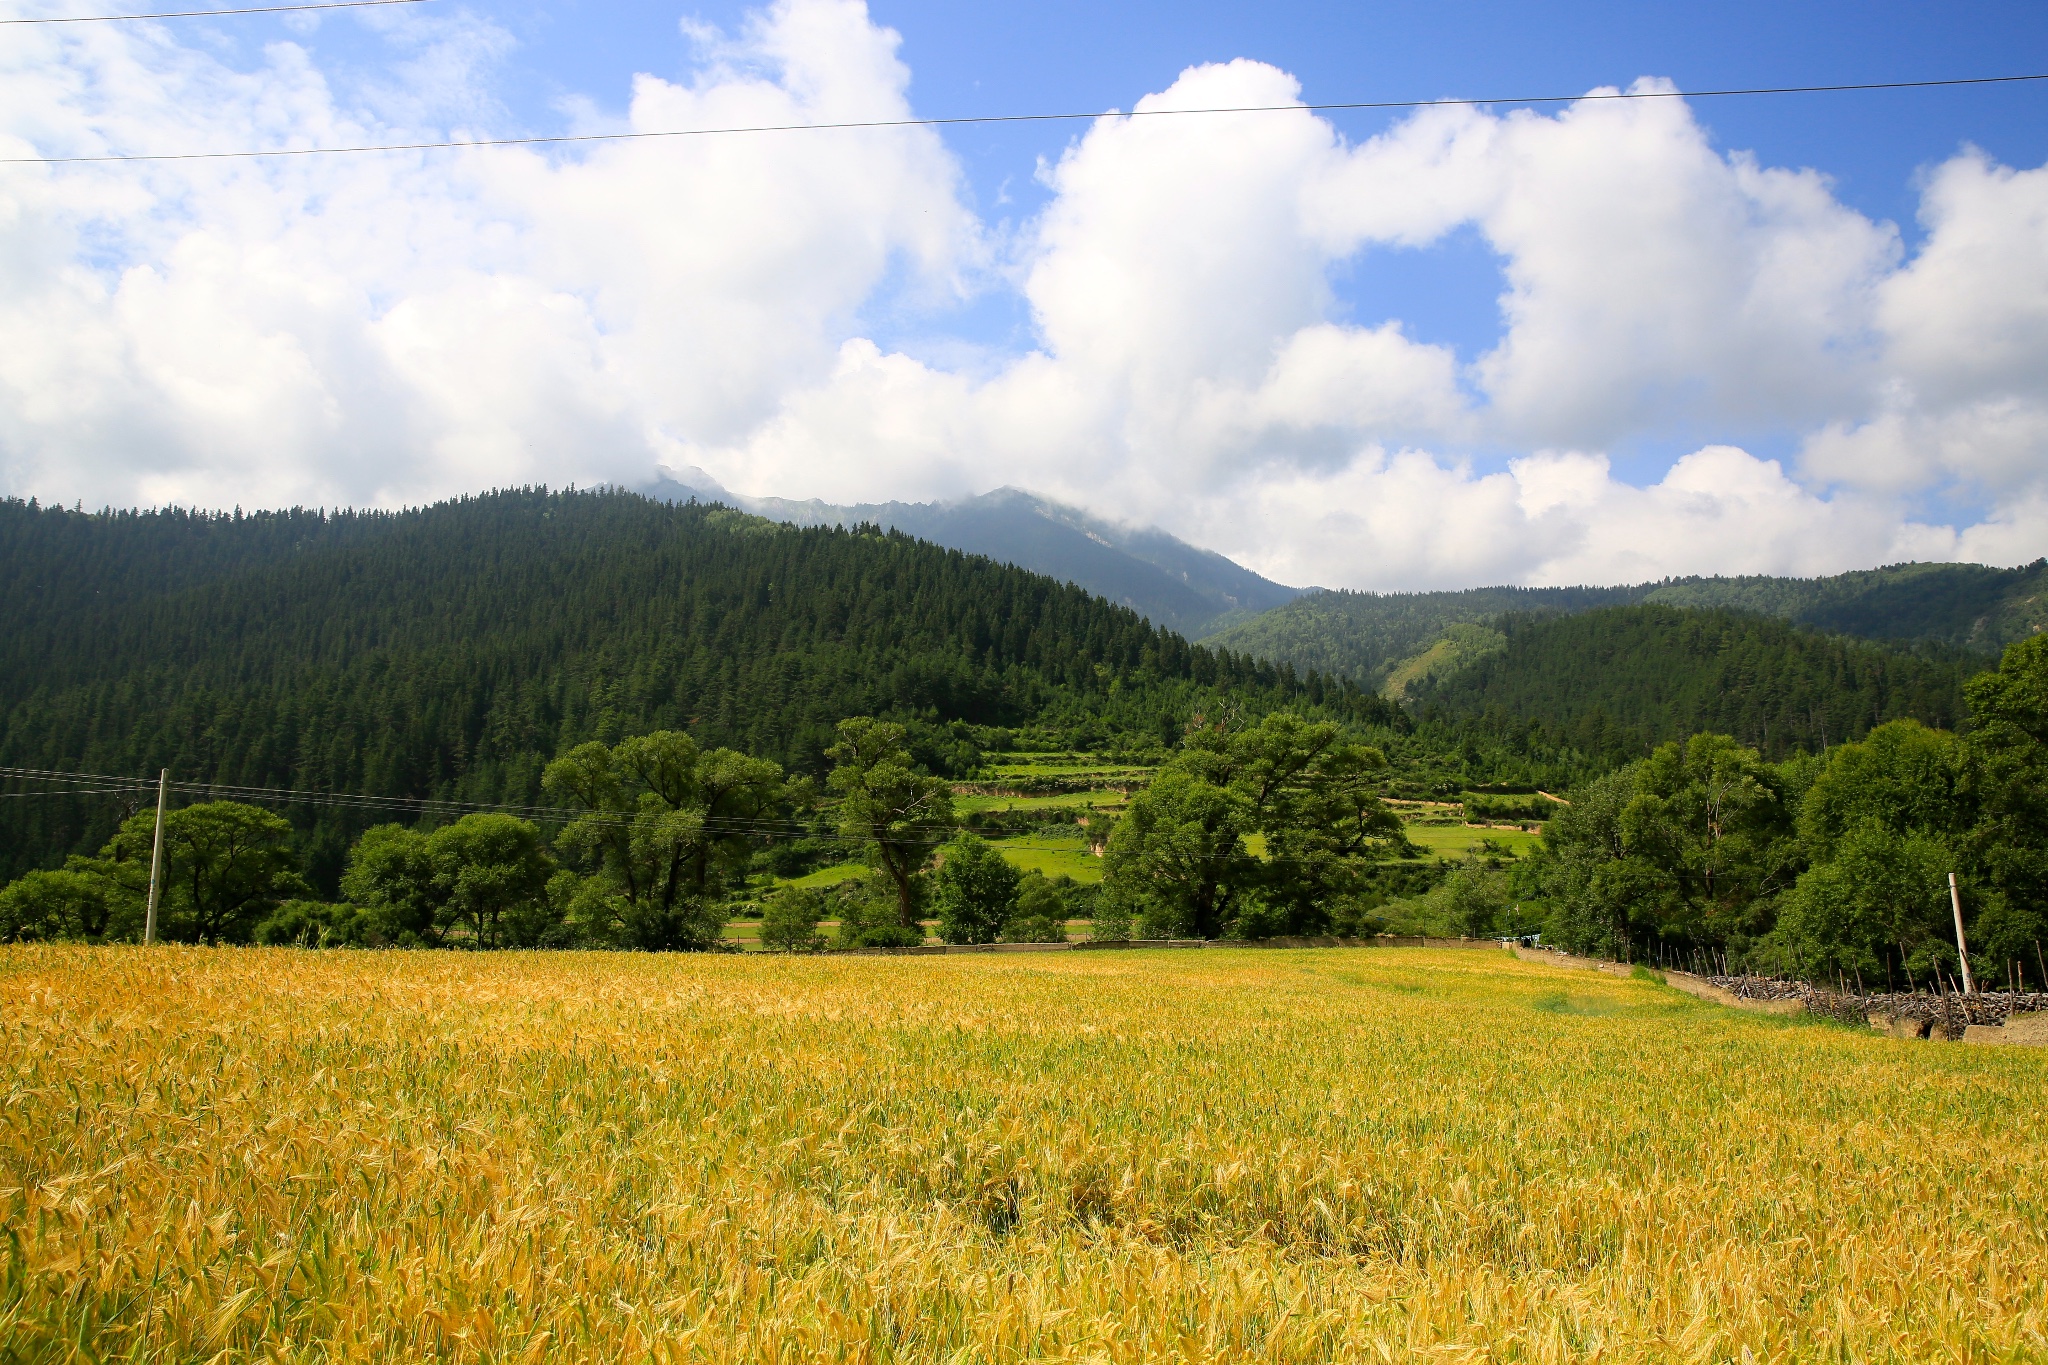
column 402, row 326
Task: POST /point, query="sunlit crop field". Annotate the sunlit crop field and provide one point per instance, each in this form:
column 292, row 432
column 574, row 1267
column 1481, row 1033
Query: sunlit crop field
column 1364, row 1154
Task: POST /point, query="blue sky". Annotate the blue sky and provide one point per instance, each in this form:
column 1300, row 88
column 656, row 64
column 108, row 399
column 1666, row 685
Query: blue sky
column 1061, row 55
column 960, row 302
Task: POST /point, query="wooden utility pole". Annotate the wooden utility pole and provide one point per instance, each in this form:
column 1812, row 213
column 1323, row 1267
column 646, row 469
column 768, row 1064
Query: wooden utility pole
column 156, row 858
column 1955, row 901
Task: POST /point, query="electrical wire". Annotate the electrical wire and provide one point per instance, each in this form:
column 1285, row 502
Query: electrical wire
column 209, row 13
column 566, row 138
column 112, row 785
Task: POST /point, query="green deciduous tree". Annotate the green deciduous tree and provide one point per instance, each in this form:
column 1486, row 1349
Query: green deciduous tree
column 666, row 829
column 1710, row 816
column 482, row 881
column 1180, row 860
column 1315, row 801
column 974, row 891
column 899, row 813
column 1472, row 900
column 493, row 873
column 1044, row 905
column 226, row 867
column 1879, row 901
column 1689, row 846
column 2007, row 750
column 1602, row 899
column 1902, row 775
column 870, row 916
column 1177, row 864
column 391, row 879
column 790, row 923
column 67, row 903
column 1881, row 824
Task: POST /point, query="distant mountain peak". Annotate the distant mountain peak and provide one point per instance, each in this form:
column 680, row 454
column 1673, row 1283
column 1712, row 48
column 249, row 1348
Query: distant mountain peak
column 682, row 482
column 1174, row 584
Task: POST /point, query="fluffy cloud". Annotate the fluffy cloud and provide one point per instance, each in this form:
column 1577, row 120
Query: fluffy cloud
column 1964, row 397
column 1191, row 370
column 1561, row 518
column 397, row 327
column 402, row 326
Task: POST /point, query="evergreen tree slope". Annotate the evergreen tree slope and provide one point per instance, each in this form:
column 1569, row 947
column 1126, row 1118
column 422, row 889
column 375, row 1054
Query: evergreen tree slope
column 1365, row 636
column 1615, row 681
column 451, row 651
column 1967, row 606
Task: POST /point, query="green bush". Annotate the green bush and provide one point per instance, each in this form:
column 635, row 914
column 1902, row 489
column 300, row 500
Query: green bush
column 66, row 904
column 869, row 915
column 314, row 924
column 974, row 891
column 1043, row 906
column 790, row 924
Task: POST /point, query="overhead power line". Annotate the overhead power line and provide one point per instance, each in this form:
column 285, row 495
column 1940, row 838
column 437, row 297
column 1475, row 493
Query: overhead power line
column 95, row 784
column 209, row 13
column 110, row 784
column 853, row 124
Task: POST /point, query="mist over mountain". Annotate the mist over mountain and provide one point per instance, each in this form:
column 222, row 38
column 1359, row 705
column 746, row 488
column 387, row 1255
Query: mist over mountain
column 1173, row 584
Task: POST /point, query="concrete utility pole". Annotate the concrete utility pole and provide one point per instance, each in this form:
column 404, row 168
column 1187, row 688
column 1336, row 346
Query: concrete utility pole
column 1955, row 901
column 156, row 858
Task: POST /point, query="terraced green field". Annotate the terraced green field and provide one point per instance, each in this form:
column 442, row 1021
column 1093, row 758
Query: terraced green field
column 1101, row 799
column 1106, row 776
column 1063, row 765
column 827, row 876
column 1053, row 856
column 1454, row 841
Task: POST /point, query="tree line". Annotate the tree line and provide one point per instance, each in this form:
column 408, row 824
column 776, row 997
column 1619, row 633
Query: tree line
column 1831, row 867
column 657, row 840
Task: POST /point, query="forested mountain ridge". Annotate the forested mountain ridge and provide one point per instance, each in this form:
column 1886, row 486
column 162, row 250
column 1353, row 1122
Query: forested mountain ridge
column 1967, row 606
column 1164, row 579
column 1367, row 637
column 56, row 566
column 451, row 651
column 1616, row 681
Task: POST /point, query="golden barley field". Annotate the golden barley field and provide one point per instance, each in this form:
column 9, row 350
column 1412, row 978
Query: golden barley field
column 1370, row 1155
